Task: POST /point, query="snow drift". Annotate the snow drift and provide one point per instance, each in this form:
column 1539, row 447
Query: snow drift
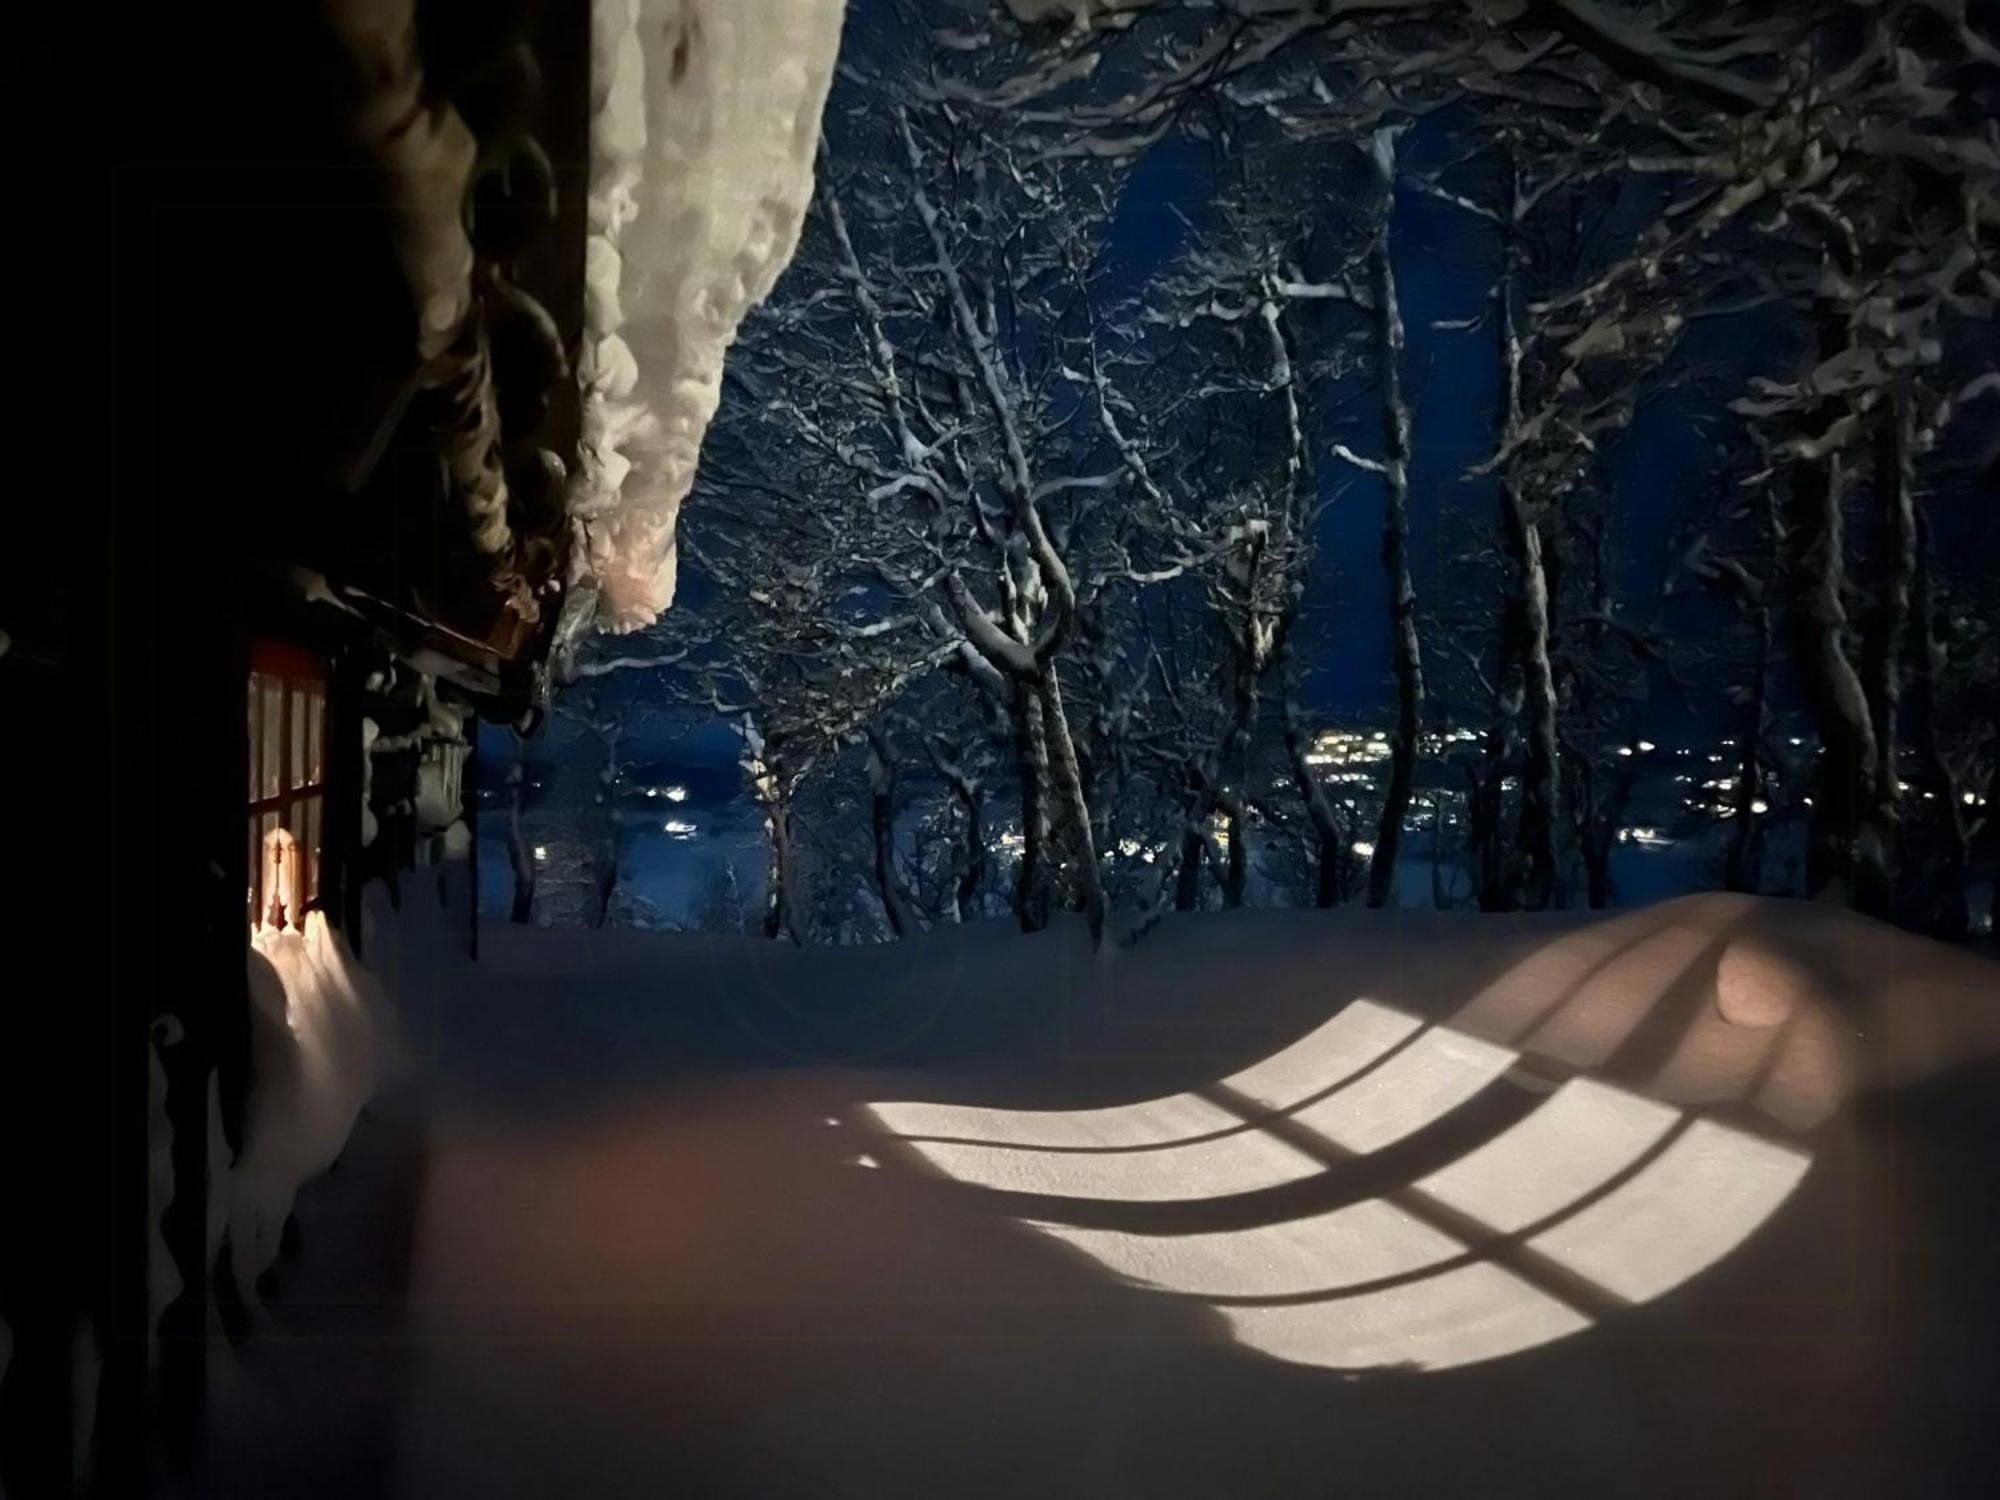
column 321, row 1037
column 705, row 124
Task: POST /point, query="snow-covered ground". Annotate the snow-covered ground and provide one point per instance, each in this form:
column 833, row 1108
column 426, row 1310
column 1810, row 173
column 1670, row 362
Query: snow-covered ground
column 1691, row 1200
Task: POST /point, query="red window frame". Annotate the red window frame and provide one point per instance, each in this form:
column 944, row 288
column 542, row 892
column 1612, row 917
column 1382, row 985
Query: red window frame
column 287, row 761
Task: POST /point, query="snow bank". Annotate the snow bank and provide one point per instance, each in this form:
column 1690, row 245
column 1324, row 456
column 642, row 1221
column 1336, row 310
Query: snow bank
column 321, row 1038
column 705, row 124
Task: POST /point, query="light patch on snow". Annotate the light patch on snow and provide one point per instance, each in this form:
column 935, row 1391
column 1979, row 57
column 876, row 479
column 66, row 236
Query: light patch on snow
column 1460, row 1317
column 1630, row 1196
column 1693, row 1205
column 705, row 125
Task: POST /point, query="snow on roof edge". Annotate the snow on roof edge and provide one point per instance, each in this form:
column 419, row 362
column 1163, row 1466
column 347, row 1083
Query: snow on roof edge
column 705, row 122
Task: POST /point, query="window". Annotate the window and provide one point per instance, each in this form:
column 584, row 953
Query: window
column 287, row 722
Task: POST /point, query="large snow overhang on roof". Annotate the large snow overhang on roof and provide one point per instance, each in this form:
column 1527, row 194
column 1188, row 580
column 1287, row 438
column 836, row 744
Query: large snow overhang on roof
column 705, row 121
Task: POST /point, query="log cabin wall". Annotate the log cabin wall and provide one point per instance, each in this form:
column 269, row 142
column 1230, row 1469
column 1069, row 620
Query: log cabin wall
column 201, row 268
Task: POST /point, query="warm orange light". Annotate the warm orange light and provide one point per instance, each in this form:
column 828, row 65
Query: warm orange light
column 282, row 884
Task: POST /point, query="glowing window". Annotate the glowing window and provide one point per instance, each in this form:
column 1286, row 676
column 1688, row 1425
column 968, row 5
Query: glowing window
column 287, row 782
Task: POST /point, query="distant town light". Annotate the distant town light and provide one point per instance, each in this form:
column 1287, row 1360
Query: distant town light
column 675, row 793
column 1646, row 747
column 1626, row 751
column 1760, row 806
column 676, row 828
column 541, row 854
column 1363, row 848
column 1970, row 799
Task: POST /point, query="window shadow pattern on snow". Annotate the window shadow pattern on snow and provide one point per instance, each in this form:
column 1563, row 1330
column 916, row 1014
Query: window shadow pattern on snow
column 1387, row 1191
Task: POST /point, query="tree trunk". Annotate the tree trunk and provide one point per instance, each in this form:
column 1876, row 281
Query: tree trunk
column 1947, row 908
column 780, row 918
column 1888, row 635
column 1594, row 837
column 1246, row 688
column 1836, row 856
column 1538, row 781
column 1031, row 879
column 1236, row 864
column 972, row 865
column 1744, row 863
column 1405, row 651
column 972, row 838
column 1072, row 805
column 1485, row 808
column 1329, row 888
column 882, row 827
column 1525, row 631
column 1187, row 877
column 1440, row 899
column 519, row 856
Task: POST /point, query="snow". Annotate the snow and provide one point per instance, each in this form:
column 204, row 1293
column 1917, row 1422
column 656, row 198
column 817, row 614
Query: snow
column 705, row 129
column 325, row 1038
column 1438, row 1203
column 322, row 1037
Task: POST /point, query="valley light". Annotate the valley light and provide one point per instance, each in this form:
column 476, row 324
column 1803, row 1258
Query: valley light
column 1363, row 848
column 1760, row 806
column 541, row 854
column 1970, row 799
column 1646, row 747
column 675, row 794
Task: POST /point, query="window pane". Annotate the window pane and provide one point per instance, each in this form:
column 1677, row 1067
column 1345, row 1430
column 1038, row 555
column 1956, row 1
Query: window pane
column 310, row 854
column 295, row 768
column 255, row 870
column 267, row 888
column 272, row 779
